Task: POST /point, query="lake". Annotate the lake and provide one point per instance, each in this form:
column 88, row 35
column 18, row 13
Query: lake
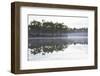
column 67, row 47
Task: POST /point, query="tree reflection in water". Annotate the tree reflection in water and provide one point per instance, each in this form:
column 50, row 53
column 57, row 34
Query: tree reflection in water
column 45, row 46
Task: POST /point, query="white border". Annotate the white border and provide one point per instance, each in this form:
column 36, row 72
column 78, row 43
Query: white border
column 24, row 64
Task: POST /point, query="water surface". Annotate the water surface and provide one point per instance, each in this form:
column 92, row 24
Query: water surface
column 70, row 46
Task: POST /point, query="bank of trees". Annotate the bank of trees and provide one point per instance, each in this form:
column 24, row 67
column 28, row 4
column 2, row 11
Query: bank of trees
column 47, row 26
column 50, row 28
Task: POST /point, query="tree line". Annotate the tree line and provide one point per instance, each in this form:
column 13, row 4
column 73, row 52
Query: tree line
column 51, row 28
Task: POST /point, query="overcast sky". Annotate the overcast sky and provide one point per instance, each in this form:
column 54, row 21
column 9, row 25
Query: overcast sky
column 70, row 21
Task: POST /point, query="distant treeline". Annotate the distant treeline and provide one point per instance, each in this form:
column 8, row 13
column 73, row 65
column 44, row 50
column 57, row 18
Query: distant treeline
column 37, row 28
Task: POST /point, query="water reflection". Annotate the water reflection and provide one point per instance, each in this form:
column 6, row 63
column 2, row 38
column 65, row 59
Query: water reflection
column 45, row 46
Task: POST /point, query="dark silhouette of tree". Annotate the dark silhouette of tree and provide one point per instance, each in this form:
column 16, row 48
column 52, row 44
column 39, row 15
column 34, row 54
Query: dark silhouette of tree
column 49, row 28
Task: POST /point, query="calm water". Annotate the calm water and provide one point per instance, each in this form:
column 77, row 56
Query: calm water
column 72, row 46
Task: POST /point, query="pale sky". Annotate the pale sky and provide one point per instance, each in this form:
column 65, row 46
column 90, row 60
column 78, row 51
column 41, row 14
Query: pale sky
column 70, row 21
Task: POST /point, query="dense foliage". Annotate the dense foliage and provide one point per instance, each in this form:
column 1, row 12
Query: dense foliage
column 45, row 28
